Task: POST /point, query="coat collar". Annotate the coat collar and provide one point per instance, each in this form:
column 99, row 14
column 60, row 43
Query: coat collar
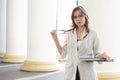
column 75, row 35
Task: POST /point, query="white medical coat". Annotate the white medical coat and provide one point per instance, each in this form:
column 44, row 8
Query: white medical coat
column 73, row 49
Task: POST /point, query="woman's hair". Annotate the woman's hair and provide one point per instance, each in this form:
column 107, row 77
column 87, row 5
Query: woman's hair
column 83, row 12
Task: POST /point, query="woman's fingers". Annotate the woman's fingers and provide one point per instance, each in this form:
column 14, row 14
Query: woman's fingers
column 53, row 32
column 107, row 58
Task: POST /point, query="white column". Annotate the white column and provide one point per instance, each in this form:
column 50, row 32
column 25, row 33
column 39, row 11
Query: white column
column 2, row 27
column 16, row 48
column 41, row 50
column 104, row 18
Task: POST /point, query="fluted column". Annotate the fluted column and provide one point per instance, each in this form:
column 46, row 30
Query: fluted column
column 41, row 50
column 2, row 27
column 104, row 18
column 16, row 48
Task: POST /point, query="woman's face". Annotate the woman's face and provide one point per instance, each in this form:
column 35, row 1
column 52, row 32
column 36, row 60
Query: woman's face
column 79, row 19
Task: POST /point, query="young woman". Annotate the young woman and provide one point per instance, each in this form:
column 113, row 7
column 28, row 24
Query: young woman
column 81, row 42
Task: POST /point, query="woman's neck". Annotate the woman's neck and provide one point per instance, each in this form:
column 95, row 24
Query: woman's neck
column 79, row 32
column 80, row 29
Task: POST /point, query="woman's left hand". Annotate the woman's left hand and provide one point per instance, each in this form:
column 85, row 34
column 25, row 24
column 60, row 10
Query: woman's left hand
column 107, row 58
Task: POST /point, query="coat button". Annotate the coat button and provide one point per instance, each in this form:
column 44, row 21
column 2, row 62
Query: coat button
column 77, row 48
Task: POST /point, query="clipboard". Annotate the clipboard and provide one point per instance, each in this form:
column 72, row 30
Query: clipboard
column 95, row 59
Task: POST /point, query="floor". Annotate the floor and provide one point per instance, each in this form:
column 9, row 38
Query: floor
column 12, row 72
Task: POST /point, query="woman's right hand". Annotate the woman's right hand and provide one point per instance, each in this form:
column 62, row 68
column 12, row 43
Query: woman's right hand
column 54, row 35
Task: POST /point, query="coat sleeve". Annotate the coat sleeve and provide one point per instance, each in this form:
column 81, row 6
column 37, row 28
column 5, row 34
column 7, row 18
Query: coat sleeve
column 64, row 51
column 96, row 46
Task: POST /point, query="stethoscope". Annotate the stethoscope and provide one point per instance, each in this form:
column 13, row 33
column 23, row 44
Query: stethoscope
column 83, row 37
column 64, row 31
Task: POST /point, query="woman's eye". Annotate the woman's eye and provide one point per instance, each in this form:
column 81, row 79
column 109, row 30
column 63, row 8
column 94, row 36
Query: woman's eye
column 80, row 16
column 75, row 17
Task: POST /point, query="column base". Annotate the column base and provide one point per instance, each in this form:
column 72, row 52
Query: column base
column 35, row 66
column 108, row 71
column 109, row 76
column 2, row 54
column 13, row 59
